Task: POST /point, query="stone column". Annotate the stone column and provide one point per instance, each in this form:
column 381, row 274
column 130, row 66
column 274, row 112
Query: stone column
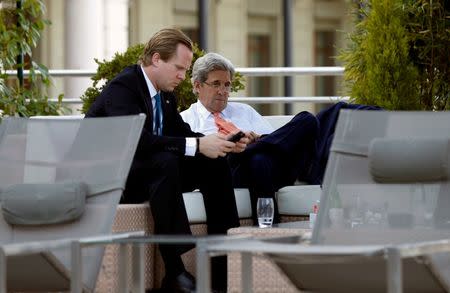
column 84, row 41
column 93, row 29
column 303, row 44
column 116, row 27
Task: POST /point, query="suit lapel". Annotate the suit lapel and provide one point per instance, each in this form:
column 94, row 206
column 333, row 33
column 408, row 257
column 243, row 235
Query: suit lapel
column 144, row 93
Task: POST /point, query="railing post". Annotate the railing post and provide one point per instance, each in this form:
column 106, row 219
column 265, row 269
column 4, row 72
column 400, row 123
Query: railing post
column 287, row 25
column 394, row 271
column 203, row 24
column 3, row 274
column 203, row 268
column 247, row 272
column 138, row 268
column 77, row 272
column 123, row 268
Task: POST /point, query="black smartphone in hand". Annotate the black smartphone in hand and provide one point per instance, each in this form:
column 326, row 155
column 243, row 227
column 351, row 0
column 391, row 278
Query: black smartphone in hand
column 236, row 137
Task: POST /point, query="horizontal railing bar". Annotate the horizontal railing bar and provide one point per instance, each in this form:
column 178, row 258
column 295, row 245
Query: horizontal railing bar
column 60, row 72
column 247, row 71
column 68, row 100
column 262, row 100
column 255, row 100
column 284, row 71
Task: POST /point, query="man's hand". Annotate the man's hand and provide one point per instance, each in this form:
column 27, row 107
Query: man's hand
column 252, row 136
column 215, row 145
column 240, row 145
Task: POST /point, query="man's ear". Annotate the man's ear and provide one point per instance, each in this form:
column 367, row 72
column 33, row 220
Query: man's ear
column 196, row 87
column 155, row 59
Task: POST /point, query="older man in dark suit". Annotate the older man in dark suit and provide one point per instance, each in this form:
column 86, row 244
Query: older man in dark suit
column 170, row 158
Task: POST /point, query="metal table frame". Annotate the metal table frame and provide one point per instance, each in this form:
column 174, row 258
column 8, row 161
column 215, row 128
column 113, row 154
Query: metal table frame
column 393, row 254
column 137, row 259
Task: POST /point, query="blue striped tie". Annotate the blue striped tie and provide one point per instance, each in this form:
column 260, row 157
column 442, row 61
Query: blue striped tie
column 158, row 115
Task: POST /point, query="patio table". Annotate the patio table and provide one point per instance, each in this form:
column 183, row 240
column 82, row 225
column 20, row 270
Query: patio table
column 265, row 276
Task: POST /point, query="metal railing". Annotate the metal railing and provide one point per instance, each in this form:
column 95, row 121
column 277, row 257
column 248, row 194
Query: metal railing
column 246, row 71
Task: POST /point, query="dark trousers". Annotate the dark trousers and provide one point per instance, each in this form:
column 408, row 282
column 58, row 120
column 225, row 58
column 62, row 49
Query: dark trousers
column 276, row 160
column 327, row 124
column 161, row 178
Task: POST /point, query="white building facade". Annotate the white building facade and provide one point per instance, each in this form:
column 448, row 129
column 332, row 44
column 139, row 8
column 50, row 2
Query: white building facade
column 248, row 32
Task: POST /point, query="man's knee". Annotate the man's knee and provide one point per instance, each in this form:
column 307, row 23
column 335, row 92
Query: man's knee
column 306, row 118
column 261, row 164
column 306, row 121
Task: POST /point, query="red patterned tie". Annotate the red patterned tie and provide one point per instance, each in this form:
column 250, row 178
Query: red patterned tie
column 225, row 127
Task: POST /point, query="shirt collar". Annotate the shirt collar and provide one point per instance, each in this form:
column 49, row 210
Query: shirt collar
column 151, row 88
column 226, row 113
column 204, row 113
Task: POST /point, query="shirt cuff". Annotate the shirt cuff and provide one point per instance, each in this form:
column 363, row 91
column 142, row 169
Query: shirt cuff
column 191, row 146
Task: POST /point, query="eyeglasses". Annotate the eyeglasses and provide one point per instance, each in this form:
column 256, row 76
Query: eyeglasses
column 218, row 85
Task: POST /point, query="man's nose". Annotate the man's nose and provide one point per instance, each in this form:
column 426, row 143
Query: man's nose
column 181, row 75
column 223, row 90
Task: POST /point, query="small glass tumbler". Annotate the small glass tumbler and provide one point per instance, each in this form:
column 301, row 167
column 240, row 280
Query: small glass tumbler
column 264, row 211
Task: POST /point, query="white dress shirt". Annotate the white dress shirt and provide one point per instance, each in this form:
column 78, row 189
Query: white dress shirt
column 242, row 115
column 191, row 143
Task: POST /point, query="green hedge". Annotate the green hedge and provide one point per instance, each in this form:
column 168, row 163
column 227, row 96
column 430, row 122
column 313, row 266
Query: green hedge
column 107, row 70
column 397, row 56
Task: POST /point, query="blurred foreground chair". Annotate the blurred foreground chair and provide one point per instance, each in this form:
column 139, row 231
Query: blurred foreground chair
column 384, row 219
column 60, row 179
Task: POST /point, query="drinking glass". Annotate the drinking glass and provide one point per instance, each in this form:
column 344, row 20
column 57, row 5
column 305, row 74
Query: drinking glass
column 265, row 210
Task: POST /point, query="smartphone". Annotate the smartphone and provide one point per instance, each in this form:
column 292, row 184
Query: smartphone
column 236, row 137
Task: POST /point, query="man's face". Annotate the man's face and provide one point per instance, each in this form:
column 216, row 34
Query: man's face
column 171, row 73
column 214, row 92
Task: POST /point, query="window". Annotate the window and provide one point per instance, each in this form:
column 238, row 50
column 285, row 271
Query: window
column 324, row 56
column 192, row 33
column 259, row 56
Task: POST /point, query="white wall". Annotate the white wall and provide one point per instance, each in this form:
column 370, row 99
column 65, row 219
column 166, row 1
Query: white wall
column 86, row 29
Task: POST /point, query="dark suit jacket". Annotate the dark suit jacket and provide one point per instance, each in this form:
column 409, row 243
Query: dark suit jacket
column 128, row 94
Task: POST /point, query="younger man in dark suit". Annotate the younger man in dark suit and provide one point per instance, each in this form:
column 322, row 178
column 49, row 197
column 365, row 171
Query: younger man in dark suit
column 170, row 158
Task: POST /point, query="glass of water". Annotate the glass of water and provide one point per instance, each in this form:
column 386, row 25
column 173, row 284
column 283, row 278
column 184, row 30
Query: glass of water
column 264, row 211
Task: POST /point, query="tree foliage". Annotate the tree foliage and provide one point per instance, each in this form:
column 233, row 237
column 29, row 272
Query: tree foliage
column 397, row 56
column 20, row 31
column 429, row 28
column 107, row 70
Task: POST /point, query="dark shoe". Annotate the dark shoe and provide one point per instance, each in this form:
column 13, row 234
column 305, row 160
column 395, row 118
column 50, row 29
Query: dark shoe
column 183, row 283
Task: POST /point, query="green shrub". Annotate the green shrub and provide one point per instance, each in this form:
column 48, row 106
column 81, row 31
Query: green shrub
column 20, row 31
column 107, row 70
column 429, row 28
column 397, row 55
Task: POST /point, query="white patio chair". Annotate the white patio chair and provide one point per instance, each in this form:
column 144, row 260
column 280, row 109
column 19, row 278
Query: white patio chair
column 384, row 219
column 60, row 179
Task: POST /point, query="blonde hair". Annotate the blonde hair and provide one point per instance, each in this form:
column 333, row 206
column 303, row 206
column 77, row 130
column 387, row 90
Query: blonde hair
column 165, row 43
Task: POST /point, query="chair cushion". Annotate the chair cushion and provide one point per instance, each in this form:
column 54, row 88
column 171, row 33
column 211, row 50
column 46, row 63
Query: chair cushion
column 195, row 207
column 278, row 120
column 243, row 203
column 409, row 159
column 43, row 203
column 298, row 199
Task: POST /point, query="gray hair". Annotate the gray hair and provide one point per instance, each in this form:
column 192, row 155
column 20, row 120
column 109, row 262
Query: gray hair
column 210, row 62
